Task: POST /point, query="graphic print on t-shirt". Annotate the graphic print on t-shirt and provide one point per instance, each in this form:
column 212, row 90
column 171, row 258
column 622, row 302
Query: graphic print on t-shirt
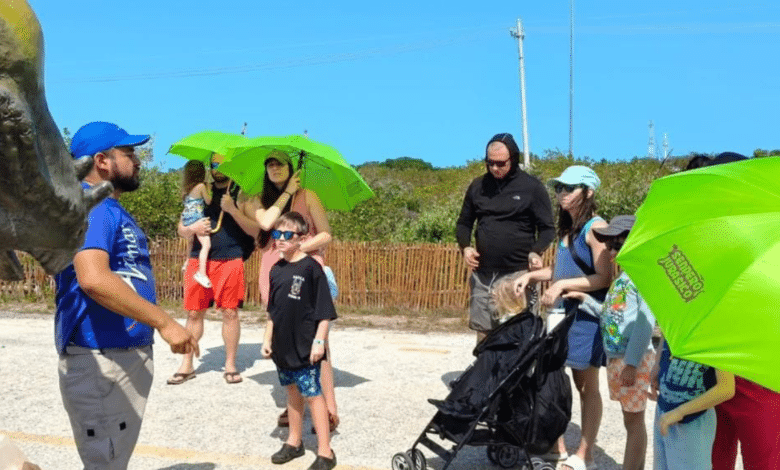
column 295, row 288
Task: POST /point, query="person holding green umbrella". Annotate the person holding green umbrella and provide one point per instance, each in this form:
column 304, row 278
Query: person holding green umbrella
column 281, row 193
column 752, row 416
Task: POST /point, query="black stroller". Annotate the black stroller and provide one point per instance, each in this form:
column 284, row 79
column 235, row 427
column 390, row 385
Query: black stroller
column 515, row 399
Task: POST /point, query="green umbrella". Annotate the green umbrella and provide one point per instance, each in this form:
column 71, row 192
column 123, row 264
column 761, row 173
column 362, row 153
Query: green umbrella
column 705, row 255
column 201, row 145
column 323, row 169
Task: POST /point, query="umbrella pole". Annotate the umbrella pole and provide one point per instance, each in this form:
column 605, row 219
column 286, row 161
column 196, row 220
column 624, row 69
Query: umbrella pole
column 221, row 213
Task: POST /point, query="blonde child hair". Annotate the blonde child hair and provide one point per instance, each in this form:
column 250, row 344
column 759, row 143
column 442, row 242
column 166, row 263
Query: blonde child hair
column 503, row 292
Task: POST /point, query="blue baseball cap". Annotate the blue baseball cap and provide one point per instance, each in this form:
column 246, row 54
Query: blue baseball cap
column 578, row 174
column 98, row 136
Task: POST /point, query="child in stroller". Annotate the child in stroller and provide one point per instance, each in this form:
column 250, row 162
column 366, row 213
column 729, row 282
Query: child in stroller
column 514, row 399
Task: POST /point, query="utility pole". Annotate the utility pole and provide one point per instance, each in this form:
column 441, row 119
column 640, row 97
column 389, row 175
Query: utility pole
column 520, row 35
column 571, row 78
column 651, row 141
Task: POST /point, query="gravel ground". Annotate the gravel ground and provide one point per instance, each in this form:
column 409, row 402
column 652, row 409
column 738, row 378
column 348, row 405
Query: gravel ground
column 383, row 381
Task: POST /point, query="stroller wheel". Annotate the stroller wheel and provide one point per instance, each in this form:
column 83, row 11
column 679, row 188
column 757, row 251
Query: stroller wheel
column 543, row 466
column 401, row 461
column 417, row 458
column 492, row 454
column 507, row 456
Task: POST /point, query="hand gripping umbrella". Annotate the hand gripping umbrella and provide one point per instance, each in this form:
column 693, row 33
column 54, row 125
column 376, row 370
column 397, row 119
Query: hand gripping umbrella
column 322, row 169
column 705, row 255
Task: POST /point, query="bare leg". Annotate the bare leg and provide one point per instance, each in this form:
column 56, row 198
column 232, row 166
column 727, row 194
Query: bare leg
column 187, row 253
column 195, row 326
column 636, row 440
column 231, row 333
column 328, row 384
column 203, row 256
column 319, row 414
column 295, row 410
column 587, row 383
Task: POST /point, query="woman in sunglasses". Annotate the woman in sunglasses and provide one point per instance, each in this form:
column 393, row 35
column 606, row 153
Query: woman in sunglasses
column 582, row 263
column 281, row 194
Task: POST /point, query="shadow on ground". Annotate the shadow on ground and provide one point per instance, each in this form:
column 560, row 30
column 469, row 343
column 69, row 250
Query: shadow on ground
column 191, row 466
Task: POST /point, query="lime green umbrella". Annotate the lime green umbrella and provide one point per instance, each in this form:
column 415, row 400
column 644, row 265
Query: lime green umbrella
column 201, row 145
column 705, row 255
column 323, row 169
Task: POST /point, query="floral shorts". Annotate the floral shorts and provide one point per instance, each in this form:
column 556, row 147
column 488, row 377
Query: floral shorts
column 634, row 398
column 306, row 379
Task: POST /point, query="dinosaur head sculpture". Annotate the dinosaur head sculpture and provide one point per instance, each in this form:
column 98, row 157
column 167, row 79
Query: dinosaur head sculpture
column 43, row 208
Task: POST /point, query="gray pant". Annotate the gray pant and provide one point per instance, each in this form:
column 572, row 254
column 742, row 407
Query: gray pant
column 104, row 393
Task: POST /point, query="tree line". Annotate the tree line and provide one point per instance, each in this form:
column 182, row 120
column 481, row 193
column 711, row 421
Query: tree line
column 415, row 201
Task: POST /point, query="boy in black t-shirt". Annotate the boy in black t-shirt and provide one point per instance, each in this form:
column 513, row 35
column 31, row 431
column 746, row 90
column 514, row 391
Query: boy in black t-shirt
column 299, row 310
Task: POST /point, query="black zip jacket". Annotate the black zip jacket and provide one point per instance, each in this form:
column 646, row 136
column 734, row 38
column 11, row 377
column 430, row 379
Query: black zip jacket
column 514, row 217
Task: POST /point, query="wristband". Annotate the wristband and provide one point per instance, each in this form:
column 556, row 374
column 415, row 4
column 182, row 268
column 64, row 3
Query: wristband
column 318, row 341
column 289, row 194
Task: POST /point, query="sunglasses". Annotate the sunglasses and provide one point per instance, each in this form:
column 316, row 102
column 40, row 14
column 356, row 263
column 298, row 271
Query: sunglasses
column 569, row 188
column 496, row 163
column 614, row 244
column 284, row 235
column 214, row 165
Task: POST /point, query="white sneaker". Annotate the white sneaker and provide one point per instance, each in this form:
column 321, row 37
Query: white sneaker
column 202, row 279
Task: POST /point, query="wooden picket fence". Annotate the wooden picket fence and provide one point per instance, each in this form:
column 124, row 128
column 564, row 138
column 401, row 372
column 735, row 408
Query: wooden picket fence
column 369, row 274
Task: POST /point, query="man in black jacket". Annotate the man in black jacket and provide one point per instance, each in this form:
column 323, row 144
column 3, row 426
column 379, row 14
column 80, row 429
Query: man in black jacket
column 514, row 227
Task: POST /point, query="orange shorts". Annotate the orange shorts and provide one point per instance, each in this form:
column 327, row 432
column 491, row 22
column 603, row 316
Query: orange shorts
column 634, row 398
column 227, row 279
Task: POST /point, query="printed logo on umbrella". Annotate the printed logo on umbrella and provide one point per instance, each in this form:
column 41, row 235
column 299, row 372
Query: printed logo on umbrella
column 680, row 272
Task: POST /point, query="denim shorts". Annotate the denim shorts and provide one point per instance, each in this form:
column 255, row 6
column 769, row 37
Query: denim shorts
column 306, row 379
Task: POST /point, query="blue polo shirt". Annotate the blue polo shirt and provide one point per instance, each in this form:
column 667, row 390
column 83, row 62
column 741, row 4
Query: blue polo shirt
column 83, row 322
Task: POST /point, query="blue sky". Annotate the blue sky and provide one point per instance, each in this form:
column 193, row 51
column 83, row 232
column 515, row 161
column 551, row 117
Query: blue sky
column 381, row 80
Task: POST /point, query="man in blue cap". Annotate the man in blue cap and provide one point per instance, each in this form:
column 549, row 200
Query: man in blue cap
column 106, row 311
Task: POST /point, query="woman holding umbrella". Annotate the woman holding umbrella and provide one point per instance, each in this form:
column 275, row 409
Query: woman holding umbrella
column 282, row 193
column 582, row 263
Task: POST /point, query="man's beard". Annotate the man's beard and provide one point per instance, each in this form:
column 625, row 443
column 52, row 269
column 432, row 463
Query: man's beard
column 219, row 177
column 126, row 184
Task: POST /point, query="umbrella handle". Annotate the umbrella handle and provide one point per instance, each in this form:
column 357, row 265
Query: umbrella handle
column 219, row 223
column 221, row 213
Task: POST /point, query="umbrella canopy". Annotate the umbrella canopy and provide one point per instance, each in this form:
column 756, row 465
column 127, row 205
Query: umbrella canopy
column 705, row 255
column 201, row 145
column 323, row 169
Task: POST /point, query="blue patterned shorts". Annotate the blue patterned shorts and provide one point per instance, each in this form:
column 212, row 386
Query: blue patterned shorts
column 307, row 379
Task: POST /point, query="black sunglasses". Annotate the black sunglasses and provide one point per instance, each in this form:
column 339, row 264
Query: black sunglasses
column 614, row 243
column 284, row 235
column 214, row 165
column 569, row 188
column 496, row 163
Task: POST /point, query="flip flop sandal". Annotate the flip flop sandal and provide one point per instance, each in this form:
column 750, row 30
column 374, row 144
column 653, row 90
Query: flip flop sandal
column 333, row 420
column 576, row 463
column 232, row 377
column 284, row 420
column 179, row 378
column 553, row 457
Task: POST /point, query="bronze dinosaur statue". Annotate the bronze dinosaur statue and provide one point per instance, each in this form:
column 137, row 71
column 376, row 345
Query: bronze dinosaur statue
column 43, row 208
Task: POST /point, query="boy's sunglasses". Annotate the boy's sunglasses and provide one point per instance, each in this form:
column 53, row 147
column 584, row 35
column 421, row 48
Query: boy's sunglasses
column 286, row 235
column 214, row 165
column 569, row 188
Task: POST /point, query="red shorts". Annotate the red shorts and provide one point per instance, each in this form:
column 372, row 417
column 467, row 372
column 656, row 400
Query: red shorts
column 751, row 417
column 227, row 279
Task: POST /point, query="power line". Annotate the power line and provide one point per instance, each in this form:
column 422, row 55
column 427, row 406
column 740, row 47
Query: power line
column 286, row 63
